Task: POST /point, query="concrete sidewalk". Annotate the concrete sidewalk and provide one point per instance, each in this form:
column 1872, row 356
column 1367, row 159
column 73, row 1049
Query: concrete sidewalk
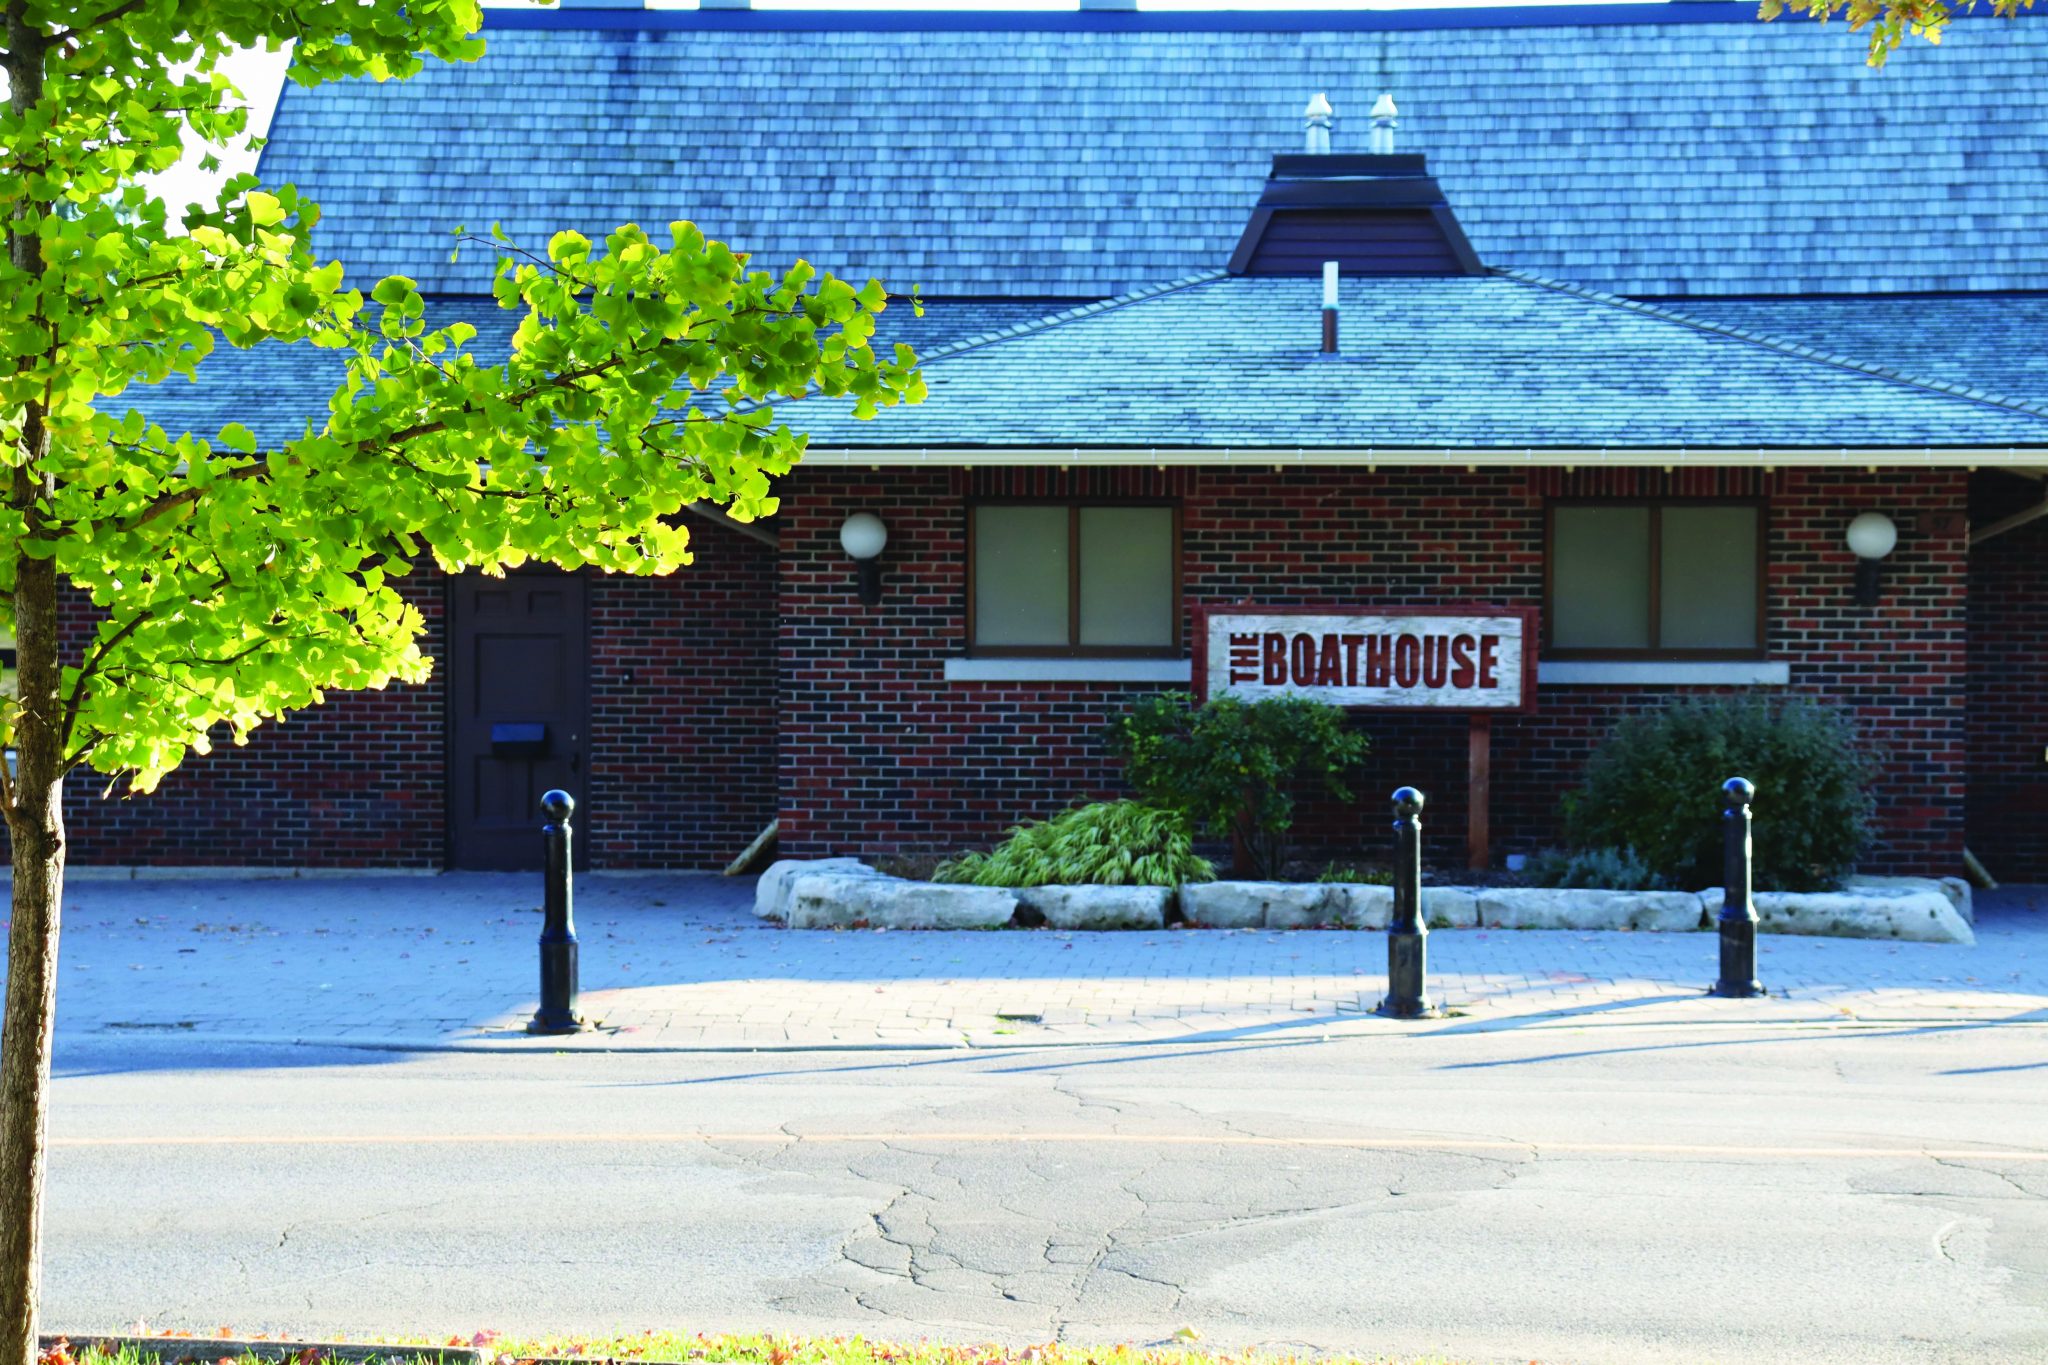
column 680, row 963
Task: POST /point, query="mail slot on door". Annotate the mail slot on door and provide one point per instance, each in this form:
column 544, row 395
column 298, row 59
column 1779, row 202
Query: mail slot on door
column 521, row 739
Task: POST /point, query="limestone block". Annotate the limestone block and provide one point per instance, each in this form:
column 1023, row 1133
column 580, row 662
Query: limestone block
column 1955, row 888
column 1961, row 896
column 1361, row 905
column 1308, row 905
column 1261, row 905
column 1547, row 907
column 1448, row 907
column 1922, row 916
column 824, row 900
column 1099, row 907
column 771, row 893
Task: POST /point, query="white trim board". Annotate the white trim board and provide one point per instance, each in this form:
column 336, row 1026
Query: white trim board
column 1668, row 673
column 2028, row 458
column 1071, row 670
column 1591, row 672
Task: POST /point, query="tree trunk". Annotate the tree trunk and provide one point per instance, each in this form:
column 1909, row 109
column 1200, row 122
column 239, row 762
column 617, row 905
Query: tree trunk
column 36, row 824
column 35, row 821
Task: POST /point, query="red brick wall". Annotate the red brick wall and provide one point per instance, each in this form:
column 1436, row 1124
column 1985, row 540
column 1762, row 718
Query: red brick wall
column 682, row 707
column 356, row 782
column 880, row 753
column 2008, row 702
column 681, row 759
column 877, row 752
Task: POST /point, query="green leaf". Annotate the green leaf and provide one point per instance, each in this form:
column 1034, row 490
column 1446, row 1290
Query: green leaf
column 251, row 582
column 392, row 290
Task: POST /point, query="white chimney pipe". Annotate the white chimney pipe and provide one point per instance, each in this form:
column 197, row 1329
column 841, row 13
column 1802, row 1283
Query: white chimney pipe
column 1319, row 116
column 1329, row 308
column 1384, row 122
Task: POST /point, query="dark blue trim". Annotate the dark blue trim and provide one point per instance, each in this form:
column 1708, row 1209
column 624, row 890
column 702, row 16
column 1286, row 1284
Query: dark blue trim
column 1281, row 449
column 1677, row 302
column 1141, row 21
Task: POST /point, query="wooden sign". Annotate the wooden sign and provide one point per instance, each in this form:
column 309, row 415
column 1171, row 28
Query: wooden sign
column 1390, row 659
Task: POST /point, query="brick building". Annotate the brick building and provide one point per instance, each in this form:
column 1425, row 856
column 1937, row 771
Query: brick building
column 1637, row 309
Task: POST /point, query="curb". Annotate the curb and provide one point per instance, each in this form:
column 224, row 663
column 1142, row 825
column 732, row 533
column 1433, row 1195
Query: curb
column 1346, row 1027
column 206, row 1350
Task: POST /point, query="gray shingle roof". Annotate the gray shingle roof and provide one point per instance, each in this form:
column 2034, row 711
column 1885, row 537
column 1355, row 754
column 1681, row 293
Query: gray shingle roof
column 1464, row 362
column 275, row 390
column 1440, row 362
column 1642, row 158
column 1994, row 341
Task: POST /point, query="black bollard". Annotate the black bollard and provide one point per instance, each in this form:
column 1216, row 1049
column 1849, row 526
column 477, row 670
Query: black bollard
column 557, row 1012
column 1738, row 904
column 1407, row 935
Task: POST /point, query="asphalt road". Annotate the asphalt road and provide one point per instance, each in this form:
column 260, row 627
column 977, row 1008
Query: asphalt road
column 1619, row 1193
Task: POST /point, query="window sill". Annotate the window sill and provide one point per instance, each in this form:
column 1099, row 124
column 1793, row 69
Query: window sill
column 1665, row 672
column 1070, row 670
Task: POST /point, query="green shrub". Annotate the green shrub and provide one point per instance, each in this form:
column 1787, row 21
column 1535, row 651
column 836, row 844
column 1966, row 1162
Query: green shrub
column 1356, row 876
column 1232, row 767
column 1600, row 869
column 1655, row 787
column 1112, row 843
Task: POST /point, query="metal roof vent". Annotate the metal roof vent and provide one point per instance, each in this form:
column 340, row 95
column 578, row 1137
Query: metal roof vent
column 1330, row 308
column 1318, row 118
column 1384, row 122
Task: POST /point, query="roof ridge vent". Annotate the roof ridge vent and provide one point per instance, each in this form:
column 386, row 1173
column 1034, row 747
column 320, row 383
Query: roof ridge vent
column 1385, row 119
column 1317, row 119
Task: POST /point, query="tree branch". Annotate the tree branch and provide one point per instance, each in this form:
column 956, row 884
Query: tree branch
column 171, row 502
column 120, row 11
column 510, row 248
column 389, row 442
column 77, row 757
column 90, row 668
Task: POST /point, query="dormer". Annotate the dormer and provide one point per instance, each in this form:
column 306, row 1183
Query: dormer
column 1377, row 213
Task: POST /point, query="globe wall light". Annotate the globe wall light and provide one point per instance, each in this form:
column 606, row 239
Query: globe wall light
column 863, row 536
column 1871, row 537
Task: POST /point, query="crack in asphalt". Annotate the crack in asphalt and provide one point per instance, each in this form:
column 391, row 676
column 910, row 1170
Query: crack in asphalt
column 1061, row 1245
column 1958, row 1164
column 1941, row 1236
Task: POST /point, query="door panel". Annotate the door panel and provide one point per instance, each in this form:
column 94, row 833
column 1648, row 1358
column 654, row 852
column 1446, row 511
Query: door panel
column 519, row 665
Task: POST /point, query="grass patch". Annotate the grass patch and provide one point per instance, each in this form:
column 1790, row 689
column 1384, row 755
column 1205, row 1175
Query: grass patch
column 758, row 1349
column 683, row 1348
column 177, row 1351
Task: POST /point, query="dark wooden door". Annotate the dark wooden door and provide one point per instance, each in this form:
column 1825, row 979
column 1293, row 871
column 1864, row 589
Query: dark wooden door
column 519, row 664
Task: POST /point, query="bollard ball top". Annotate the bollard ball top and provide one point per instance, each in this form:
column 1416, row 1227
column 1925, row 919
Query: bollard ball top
column 1407, row 802
column 557, row 805
column 1737, row 791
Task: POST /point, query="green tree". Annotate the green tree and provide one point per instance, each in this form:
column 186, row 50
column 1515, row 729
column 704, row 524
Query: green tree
column 231, row 582
column 1889, row 21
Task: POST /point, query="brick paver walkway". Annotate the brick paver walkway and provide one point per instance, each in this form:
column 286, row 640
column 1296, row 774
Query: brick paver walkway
column 679, row 962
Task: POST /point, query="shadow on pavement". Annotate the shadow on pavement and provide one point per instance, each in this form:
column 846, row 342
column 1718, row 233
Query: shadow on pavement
column 1805, row 1036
